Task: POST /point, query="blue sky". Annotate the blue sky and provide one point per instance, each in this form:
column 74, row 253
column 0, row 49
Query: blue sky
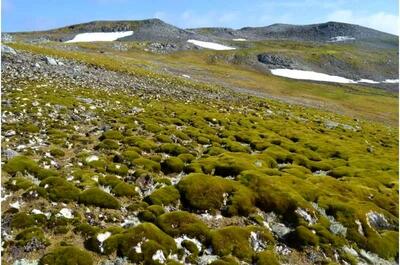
column 26, row 15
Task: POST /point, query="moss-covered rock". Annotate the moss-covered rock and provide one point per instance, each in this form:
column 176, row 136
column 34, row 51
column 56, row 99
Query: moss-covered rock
column 204, row 192
column 172, row 165
column 234, row 240
column 267, row 257
column 22, row 220
column 147, row 164
column 67, row 255
column 29, row 234
column 302, row 236
column 178, row 223
column 172, row 149
column 124, row 189
column 164, row 196
column 24, row 164
column 97, row 197
column 59, row 189
column 135, row 236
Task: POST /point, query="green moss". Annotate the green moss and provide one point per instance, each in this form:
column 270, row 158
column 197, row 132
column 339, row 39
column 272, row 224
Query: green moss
column 29, row 234
column 97, row 197
column 22, row 220
column 164, row 138
column 20, row 164
column 118, row 169
column 59, row 189
column 267, row 257
column 108, row 144
column 130, row 155
column 29, row 128
column 172, row 165
column 156, row 209
column 56, row 152
column 112, row 134
column 186, row 158
column 340, row 172
column 234, row 240
column 147, row 164
column 172, row 149
column 86, row 230
column 67, row 256
column 18, row 183
column 214, row 151
column 142, row 143
column 147, row 216
column 178, row 223
column 164, row 196
column 386, row 245
column 204, row 192
column 134, row 236
column 302, row 236
column 124, row 189
column 111, row 181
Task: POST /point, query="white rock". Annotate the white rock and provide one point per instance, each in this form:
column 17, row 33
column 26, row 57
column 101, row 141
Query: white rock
column 65, row 212
column 103, row 236
column 15, row 205
column 239, row 39
column 91, row 158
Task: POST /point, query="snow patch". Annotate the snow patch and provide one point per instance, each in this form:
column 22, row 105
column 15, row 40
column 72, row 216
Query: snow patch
column 239, row 39
column 310, row 75
column 99, row 36
column 341, row 38
column 369, row 81
column 210, row 45
column 391, row 81
column 159, row 256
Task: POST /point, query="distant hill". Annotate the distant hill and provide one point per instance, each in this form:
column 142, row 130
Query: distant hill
column 158, row 30
column 323, row 32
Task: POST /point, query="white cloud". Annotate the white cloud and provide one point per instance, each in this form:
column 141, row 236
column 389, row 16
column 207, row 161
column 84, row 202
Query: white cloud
column 381, row 20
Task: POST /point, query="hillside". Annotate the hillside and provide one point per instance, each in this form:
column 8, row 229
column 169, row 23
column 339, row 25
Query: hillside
column 154, row 150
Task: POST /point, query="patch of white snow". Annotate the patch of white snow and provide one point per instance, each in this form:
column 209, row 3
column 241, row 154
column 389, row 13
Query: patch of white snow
column 99, row 36
column 210, row 45
column 159, row 256
column 310, row 75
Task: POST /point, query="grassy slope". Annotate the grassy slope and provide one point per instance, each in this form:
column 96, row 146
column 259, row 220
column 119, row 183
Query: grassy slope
column 353, row 100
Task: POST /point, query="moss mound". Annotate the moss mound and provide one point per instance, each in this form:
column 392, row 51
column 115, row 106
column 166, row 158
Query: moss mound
column 204, row 192
column 180, row 223
column 172, row 165
column 67, row 256
column 164, row 196
column 59, row 189
column 97, row 197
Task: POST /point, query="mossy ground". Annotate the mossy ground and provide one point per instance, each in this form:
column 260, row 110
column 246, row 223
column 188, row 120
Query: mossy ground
column 172, row 164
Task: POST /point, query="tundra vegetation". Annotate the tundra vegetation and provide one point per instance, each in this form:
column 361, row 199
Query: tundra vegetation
column 100, row 176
